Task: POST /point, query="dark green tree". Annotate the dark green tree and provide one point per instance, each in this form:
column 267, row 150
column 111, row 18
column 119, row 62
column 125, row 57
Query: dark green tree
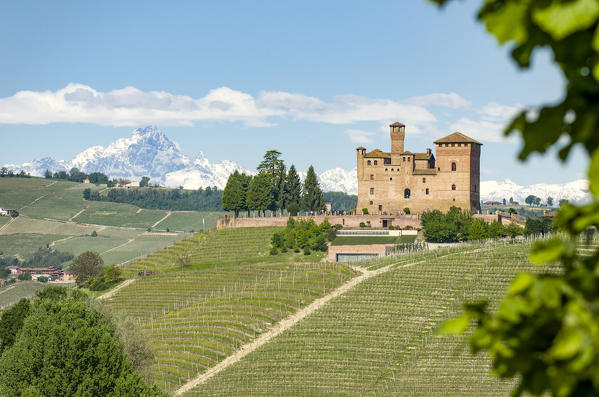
column 550, row 201
column 234, row 195
column 312, row 195
column 293, row 191
column 496, row 230
column 48, row 174
column 66, row 348
column 11, row 322
column 279, row 188
column 86, row 266
column 260, row 195
column 145, row 181
column 271, row 163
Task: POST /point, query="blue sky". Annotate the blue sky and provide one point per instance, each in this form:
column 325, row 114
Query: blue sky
column 233, row 79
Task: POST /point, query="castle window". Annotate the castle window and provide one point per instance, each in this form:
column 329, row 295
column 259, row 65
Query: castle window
column 391, row 169
column 387, row 161
column 406, row 193
column 454, row 167
column 380, row 207
column 392, row 179
column 371, row 202
column 452, row 187
column 403, row 158
column 372, row 190
column 409, row 158
column 372, row 177
column 426, row 190
column 453, row 144
column 423, row 180
column 386, row 169
column 475, row 188
column 439, row 169
column 376, row 162
column 368, row 162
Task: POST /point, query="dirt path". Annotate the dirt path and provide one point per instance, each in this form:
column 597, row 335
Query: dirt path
column 138, row 211
column 33, row 202
column 119, row 246
column 76, row 215
column 284, row 325
column 292, row 320
column 116, row 289
column 7, row 223
column 168, row 213
column 58, row 241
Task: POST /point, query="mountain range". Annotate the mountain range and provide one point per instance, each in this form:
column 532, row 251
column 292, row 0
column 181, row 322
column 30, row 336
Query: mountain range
column 149, row 152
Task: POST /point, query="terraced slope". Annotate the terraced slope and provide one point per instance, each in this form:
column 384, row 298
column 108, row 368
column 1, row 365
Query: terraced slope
column 195, row 318
column 214, row 246
column 378, row 338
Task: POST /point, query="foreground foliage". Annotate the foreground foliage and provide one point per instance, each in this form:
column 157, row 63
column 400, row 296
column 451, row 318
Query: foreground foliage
column 58, row 345
column 546, row 332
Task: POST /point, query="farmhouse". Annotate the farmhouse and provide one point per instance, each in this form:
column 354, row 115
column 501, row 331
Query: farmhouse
column 7, row 211
column 51, row 271
column 390, row 182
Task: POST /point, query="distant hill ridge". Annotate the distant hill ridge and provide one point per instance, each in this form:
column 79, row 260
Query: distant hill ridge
column 149, row 152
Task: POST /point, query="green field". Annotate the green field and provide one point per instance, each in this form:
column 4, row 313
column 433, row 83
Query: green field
column 54, row 212
column 379, row 338
column 13, row 293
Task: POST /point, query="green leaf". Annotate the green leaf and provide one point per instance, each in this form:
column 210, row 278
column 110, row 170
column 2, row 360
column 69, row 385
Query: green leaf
column 595, row 42
column 521, row 283
column 560, row 19
column 508, row 22
column 567, row 344
column 547, row 251
column 594, row 173
column 455, row 326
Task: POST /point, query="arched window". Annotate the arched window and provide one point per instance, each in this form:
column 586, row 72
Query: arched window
column 376, row 162
column 452, row 187
column 406, row 193
column 368, row 162
column 475, row 188
column 426, row 190
column 454, row 167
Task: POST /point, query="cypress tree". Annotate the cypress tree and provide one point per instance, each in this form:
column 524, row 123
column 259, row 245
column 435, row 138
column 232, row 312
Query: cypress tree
column 260, row 193
column 293, row 191
column 312, row 198
column 233, row 197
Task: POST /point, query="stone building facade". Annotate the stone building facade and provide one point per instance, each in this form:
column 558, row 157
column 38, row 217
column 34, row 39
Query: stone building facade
column 388, row 182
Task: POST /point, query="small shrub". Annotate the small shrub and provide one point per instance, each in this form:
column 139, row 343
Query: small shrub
column 149, row 229
column 274, row 251
column 307, row 251
column 284, row 249
column 365, row 211
column 94, row 234
column 296, row 249
column 406, row 211
column 362, row 224
column 168, row 230
column 42, row 279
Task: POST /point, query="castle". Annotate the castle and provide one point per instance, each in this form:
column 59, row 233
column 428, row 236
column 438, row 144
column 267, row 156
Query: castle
column 390, row 182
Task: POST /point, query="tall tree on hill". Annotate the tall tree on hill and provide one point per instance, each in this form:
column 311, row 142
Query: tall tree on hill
column 234, row 195
column 312, row 197
column 293, row 191
column 260, row 193
column 279, row 187
column 274, row 167
column 145, row 181
column 48, row 174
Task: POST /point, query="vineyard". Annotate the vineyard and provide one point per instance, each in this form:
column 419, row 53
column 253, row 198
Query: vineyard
column 379, row 338
column 214, row 246
column 195, row 318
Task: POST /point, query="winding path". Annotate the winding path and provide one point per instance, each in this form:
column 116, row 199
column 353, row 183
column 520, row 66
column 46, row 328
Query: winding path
column 284, row 325
column 168, row 213
column 116, row 289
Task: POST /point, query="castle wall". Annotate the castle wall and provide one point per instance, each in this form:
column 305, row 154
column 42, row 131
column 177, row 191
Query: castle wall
column 347, row 221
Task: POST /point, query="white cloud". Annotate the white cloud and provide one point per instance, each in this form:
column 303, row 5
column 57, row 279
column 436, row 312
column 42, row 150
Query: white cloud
column 129, row 106
column 451, row 100
column 360, row 136
column 497, row 112
column 482, row 130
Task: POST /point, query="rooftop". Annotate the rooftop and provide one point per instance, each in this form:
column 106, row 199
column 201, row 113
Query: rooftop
column 377, row 153
column 397, row 124
column 457, row 137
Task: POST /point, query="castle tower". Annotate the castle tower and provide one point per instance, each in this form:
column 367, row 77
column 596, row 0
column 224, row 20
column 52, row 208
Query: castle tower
column 398, row 133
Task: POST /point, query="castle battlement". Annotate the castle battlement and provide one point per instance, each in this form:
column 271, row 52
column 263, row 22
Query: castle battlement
column 388, row 182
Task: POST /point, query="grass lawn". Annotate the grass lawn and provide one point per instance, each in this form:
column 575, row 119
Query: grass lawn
column 189, row 220
column 25, row 245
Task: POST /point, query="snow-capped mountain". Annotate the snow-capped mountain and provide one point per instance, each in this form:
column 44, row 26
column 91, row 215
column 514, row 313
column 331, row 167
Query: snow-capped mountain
column 149, row 152
column 575, row 191
column 339, row 180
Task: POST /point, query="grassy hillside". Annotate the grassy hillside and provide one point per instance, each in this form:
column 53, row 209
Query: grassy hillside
column 378, row 339
column 13, row 293
column 54, row 213
column 229, row 292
